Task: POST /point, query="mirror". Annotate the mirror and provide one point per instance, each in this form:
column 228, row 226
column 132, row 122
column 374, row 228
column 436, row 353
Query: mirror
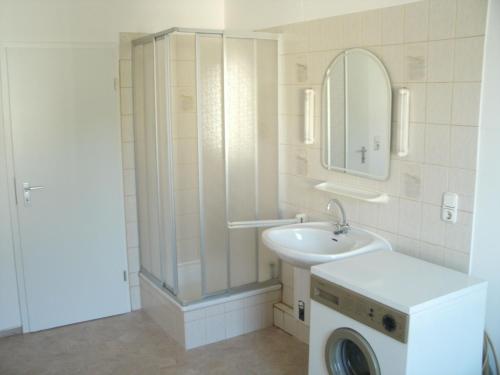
column 356, row 115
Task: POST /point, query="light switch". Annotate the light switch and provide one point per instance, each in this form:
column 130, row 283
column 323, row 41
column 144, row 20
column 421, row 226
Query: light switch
column 449, row 207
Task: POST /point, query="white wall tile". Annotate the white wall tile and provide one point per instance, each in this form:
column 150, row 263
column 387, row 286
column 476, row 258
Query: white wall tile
column 408, row 246
column 317, row 64
column 464, row 146
column 290, row 324
column 195, row 333
column 433, row 228
column 135, row 298
column 368, row 213
column 440, row 61
column 416, row 151
column 462, row 182
column 295, row 38
column 437, row 144
column 279, row 320
column 468, row 59
column 393, row 25
column 393, row 59
column 465, row 108
column 416, row 21
column 214, row 310
column 125, row 73
column 128, row 159
column 442, row 19
column 439, row 99
column 372, row 27
column 326, row 34
column 411, row 180
column 192, row 315
column 410, row 213
column 432, row 253
column 353, row 30
column 388, row 215
column 458, row 235
column 133, row 279
column 418, row 101
column 234, row 305
column 127, row 127
column 471, row 17
column 435, row 183
column 456, row 260
column 133, row 260
column 288, row 295
column 415, row 62
column 126, row 101
column 215, row 328
column 130, row 209
column 235, row 323
column 132, row 234
column 129, row 181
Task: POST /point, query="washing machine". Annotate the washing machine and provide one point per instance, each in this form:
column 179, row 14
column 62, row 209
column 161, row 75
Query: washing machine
column 385, row 313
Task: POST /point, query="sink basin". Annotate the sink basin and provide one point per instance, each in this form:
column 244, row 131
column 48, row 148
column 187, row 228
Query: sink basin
column 307, row 244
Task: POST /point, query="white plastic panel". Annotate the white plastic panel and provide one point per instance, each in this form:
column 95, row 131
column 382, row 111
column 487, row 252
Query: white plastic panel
column 182, row 81
column 242, row 133
column 211, row 164
column 165, row 167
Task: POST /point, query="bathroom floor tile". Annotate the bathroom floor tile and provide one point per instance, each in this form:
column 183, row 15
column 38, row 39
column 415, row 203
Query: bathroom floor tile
column 134, row 344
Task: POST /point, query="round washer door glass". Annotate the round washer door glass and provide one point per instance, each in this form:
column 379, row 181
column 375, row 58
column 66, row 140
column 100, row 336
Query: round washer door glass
column 348, row 353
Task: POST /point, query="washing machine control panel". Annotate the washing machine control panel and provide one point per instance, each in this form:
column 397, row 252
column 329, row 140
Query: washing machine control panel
column 374, row 314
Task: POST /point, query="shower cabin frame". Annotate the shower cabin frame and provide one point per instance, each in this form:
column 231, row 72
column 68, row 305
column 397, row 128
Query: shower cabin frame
column 173, row 290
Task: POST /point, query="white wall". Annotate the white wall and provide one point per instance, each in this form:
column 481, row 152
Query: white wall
column 260, row 14
column 101, row 20
column 485, row 247
column 9, row 303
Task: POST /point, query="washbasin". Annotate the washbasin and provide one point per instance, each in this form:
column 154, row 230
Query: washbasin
column 307, row 244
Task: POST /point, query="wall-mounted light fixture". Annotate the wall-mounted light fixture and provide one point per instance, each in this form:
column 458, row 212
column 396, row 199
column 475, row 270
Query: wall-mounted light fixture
column 309, row 116
column 402, row 144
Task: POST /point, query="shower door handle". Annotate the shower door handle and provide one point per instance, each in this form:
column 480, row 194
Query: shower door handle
column 299, row 218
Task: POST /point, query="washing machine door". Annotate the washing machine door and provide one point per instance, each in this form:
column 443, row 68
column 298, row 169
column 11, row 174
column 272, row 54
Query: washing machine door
column 348, row 353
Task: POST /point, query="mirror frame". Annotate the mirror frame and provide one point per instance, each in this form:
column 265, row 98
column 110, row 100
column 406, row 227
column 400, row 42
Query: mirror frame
column 324, row 162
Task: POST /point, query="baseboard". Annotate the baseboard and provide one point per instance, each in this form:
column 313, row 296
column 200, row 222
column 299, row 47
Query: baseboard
column 11, row 332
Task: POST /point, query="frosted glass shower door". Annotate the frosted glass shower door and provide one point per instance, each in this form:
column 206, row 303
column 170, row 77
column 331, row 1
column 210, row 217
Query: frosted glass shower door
column 145, row 157
column 164, row 134
column 252, row 144
column 153, row 162
column 213, row 227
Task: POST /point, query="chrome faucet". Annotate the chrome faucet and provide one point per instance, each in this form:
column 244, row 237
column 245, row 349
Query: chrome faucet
column 342, row 227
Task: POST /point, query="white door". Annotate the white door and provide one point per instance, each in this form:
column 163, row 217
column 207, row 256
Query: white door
column 66, row 139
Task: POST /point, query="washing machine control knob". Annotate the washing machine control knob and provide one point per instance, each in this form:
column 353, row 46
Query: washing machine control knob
column 389, row 323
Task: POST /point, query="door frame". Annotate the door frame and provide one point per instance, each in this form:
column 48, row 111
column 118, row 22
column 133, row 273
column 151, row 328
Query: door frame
column 7, row 137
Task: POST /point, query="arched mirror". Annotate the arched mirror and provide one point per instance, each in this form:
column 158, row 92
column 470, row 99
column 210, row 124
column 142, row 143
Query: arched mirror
column 356, row 115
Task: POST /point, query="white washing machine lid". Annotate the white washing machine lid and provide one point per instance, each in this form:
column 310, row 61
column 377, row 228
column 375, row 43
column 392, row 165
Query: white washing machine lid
column 402, row 282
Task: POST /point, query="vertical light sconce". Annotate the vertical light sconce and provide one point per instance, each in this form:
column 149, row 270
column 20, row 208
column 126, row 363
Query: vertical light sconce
column 402, row 145
column 309, row 116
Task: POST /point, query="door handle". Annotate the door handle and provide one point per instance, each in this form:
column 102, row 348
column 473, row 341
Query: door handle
column 27, row 192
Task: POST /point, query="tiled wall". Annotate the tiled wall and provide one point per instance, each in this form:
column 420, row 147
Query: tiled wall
column 435, row 48
column 127, row 131
column 208, row 322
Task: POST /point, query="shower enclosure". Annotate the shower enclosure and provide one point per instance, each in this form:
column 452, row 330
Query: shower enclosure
column 206, row 150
